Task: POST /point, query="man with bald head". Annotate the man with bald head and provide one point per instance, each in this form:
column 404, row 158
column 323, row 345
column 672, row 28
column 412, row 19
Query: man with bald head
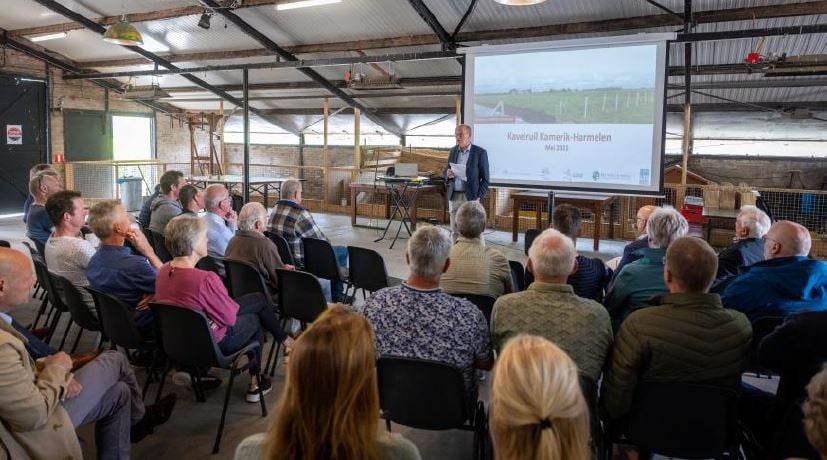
column 551, row 309
column 630, row 253
column 41, row 404
column 685, row 336
column 787, row 282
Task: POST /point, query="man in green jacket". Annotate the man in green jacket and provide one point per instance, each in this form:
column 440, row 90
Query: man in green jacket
column 686, row 336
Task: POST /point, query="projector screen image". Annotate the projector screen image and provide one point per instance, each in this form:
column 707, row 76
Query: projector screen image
column 573, row 115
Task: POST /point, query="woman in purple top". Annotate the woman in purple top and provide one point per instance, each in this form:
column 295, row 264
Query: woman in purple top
column 233, row 325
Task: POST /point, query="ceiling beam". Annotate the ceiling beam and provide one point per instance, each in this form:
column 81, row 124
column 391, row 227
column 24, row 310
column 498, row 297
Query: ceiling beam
column 132, row 17
column 744, row 68
column 404, row 82
column 369, row 95
column 769, row 83
column 750, row 33
column 752, row 107
column 382, row 111
column 548, row 31
column 264, row 41
column 445, row 39
column 86, row 22
column 291, row 64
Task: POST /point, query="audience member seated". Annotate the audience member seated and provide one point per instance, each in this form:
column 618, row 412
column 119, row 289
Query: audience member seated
column 146, row 208
column 293, row 222
column 40, row 167
column 336, row 419
column 643, row 278
column 67, row 252
column 233, row 325
column 167, row 206
column 192, row 201
column 475, row 267
column 537, row 408
column 418, row 320
column 786, row 282
column 35, row 346
column 630, row 253
column 796, row 351
column 551, row 309
column 38, row 224
column 114, row 269
column 591, row 276
column 750, row 227
column 815, row 413
column 222, row 221
column 250, row 245
column 686, row 336
column 42, row 404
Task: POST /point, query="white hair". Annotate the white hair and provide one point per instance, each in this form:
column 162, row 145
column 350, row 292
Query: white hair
column 755, row 220
column 470, row 219
column 289, row 187
column 251, row 213
column 665, row 225
column 552, row 254
column 428, row 249
column 214, row 194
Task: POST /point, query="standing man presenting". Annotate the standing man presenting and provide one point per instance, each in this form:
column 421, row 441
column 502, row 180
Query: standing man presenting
column 471, row 186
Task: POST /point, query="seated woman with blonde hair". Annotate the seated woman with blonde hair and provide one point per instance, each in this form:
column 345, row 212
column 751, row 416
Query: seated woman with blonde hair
column 537, row 409
column 329, row 407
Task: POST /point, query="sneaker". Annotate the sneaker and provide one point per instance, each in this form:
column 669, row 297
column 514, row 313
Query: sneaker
column 265, row 385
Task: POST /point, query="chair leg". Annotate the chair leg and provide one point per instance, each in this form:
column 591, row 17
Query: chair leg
column 196, row 385
column 233, row 373
column 272, row 368
column 163, row 381
column 40, row 312
column 388, row 424
column 150, row 374
column 65, row 333
column 273, row 354
column 260, row 394
column 77, row 339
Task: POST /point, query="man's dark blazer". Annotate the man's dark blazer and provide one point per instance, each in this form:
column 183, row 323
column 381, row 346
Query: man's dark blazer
column 476, row 169
column 742, row 253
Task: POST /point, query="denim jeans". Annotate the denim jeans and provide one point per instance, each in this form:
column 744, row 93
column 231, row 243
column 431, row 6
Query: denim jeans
column 338, row 289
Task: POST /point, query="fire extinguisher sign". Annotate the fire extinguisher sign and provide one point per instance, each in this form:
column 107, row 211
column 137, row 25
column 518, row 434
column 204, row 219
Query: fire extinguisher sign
column 14, row 134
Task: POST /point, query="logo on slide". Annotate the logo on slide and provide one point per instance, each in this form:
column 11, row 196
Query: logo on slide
column 644, row 177
column 596, row 176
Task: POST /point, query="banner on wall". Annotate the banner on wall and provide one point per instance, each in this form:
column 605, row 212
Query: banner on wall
column 14, row 134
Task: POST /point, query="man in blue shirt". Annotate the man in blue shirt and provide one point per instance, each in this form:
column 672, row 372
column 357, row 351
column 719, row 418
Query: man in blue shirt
column 785, row 283
column 475, row 184
column 114, row 269
column 222, row 221
column 38, row 224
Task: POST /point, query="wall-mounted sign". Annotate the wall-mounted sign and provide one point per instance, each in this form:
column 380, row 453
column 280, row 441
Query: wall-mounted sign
column 14, row 134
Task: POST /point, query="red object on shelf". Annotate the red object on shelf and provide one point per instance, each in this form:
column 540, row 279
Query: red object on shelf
column 753, row 58
column 693, row 209
column 57, row 158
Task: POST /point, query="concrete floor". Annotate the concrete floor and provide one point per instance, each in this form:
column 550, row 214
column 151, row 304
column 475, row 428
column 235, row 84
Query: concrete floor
column 190, row 431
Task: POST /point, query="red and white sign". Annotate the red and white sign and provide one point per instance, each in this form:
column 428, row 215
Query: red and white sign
column 14, row 134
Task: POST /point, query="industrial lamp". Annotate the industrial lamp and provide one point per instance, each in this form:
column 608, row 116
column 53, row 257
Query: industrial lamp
column 123, row 33
column 519, row 2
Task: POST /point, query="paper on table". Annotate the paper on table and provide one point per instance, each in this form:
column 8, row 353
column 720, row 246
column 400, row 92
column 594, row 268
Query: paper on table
column 459, row 171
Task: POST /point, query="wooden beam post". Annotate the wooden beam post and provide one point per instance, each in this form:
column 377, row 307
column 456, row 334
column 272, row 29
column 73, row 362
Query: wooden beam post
column 325, row 152
column 357, row 152
column 225, row 164
column 687, row 135
column 459, row 110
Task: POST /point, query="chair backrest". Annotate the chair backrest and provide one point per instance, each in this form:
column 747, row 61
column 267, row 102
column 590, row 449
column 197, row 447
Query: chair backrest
column 4, row 244
column 116, row 320
column 45, row 280
column 285, row 253
column 32, row 249
column 517, row 275
column 320, row 260
column 160, row 246
column 484, row 302
column 530, row 235
column 79, row 310
column 185, row 336
column 41, row 248
column 683, row 420
column 367, row 269
column 244, row 278
column 761, row 327
column 300, row 295
column 421, row 394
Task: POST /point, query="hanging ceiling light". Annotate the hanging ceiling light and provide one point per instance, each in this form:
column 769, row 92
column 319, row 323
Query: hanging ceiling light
column 519, row 2
column 204, row 22
column 123, row 33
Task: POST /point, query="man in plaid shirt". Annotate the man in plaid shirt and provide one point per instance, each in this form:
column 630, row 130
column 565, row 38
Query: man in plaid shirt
column 293, row 222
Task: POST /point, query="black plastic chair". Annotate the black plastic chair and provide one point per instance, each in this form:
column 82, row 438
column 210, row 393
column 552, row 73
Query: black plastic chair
column 37, row 286
column 54, row 298
column 4, row 244
column 530, row 235
column 160, row 246
column 79, row 310
column 428, row 395
column 285, row 253
column 517, row 275
column 589, row 389
column 300, row 296
column 761, row 327
column 244, row 279
column 116, row 320
column 681, row 420
column 367, row 271
column 484, row 302
column 320, row 260
column 187, row 339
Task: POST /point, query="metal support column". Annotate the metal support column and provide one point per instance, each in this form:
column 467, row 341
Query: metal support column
column 245, row 172
column 687, row 105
